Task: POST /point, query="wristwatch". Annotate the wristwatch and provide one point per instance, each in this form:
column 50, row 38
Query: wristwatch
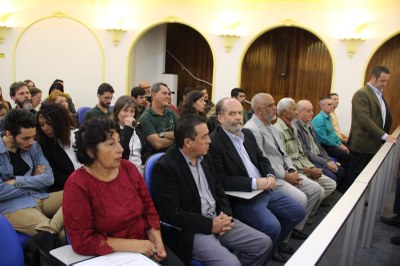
column 161, row 135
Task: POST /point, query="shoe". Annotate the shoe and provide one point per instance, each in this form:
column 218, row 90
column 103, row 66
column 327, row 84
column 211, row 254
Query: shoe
column 394, row 221
column 395, row 240
column 309, row 221
column 285, row 248
column 297, row 234
column 276, row 256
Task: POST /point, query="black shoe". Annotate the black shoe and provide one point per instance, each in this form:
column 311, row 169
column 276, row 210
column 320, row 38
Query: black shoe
column 276, row 256
column 285, row 248
column 394, row 221
column 395, row 240
column 297, row 234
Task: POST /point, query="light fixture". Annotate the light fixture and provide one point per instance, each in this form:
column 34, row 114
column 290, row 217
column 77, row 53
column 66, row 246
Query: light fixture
column 116, row 35
column 3, row 33
column 352, row 45
column 229, row 41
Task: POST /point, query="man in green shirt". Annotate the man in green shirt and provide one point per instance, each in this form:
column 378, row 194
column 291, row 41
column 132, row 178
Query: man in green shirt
column 105, row 94
column 158, row 122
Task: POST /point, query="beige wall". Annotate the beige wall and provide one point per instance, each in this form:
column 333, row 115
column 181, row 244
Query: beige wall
column 84, row 23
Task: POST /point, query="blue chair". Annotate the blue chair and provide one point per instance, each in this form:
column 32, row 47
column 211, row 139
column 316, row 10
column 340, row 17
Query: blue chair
column 11, row 253
column 148, row 170
column 81, row 113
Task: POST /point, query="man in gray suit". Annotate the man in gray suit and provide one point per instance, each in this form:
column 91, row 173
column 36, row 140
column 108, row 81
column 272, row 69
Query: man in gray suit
column 370, row 123
column 289, row 181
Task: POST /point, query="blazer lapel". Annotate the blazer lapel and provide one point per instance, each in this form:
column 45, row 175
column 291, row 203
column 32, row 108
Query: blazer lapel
column 231, row 150
column 373, row 95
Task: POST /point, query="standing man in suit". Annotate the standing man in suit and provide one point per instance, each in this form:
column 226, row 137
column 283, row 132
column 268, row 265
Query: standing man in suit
column 370, row 123
column 188, row 196
column 240, row 166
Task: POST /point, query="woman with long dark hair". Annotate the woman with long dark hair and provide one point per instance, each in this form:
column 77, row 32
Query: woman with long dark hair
column 194, row 103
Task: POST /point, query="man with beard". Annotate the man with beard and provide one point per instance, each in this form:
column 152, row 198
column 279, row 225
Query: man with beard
column 240, row 166
column 139, row 94
column 25, row 178
column 105, row 94
column 20, row 94
column 240, row 95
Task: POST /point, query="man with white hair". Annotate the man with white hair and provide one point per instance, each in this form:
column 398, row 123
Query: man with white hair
column 287, row 112
column 289, row 181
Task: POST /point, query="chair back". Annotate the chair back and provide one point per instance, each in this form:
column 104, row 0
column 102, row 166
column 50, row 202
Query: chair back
column 81, row 113
column 11, row 253
column 148, row 169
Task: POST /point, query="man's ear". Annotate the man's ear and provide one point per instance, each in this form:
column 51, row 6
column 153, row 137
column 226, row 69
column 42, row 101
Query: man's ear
column 187, row 142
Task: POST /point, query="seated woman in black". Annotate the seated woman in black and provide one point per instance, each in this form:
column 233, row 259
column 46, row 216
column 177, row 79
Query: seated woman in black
column 56, row 135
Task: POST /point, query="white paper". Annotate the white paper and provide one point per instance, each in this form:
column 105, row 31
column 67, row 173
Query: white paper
column 244, row 194
column 118, row 259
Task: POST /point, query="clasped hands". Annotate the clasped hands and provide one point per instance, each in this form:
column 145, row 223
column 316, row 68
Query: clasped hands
column 222, row 224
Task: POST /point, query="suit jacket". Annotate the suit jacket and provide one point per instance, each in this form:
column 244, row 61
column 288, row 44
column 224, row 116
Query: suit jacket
column 279, row 159
column 178, row 201
column 230, row 169
column 367, row 123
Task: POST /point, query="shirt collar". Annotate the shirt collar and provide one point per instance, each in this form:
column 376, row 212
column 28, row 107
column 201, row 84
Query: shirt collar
column 377, row 91
column 199, row 159
column 234, row 137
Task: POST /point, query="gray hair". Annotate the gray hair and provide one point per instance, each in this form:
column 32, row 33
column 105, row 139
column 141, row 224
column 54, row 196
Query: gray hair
column 257, row 99
column 156, row 86
column 302, row 104
column 284, row 104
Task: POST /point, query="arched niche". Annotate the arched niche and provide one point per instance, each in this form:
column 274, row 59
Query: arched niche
column 288, row 62
column 61, row 47
column 167, row 52
column 388, row 55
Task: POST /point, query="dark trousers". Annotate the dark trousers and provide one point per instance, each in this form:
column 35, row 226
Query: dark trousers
column 357, row 164
column 341, row 156
column 396, row 206
column 338, row 176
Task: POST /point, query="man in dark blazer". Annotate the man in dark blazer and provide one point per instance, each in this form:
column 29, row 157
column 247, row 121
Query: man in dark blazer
column 241, row 166
column 187, row 196
column 370, row 123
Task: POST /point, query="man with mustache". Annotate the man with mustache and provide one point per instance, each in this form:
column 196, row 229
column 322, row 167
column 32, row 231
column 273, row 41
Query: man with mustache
column 25, row 176
column 20, row 94
column 241, row 166
column 105, row 94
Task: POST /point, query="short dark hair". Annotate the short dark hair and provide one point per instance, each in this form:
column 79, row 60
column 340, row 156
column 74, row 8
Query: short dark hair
column 56, row 86
column 185, row 128
column 92, row 132
column 235, row 92
column 376, row 71
column 15, row 87
column 104, row 87
column 34, row 91
column 58, row 81
column 137, row 91
column 330, row 95
column 60, row 120
column 156, row 86
column 17, row 119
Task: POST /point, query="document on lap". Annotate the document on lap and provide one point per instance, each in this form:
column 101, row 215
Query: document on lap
column 243, row 195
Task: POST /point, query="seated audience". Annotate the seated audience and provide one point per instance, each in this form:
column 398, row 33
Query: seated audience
column 131, row 133
column 311, row 147
column 209, row 103
column 25, row 178
column 189, row 197
column 21, row 96
column 326, row 134
column 107, row 206
column 56, row 136
column 30, row 83
column 171, row 105
column 58, row 86
column 139, row 94
column 158, row 122
column 240, row 166
column 287, row 112
column 6, row 104
column 194, row 103
column 289, row 182
column 394, row 220
column 185, row 92
column 36, row 95
column 335, row 121
column 240, row 95
column 61, row 98
column 144, row 84
column 105, row 94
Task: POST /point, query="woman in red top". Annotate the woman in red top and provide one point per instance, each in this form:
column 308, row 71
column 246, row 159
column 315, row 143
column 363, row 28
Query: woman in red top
column 107, row 206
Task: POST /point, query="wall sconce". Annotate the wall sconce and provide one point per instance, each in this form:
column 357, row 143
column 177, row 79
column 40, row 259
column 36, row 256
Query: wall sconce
column 116, row 35
column 229, row 41
column 352, row 45
column 3, row 33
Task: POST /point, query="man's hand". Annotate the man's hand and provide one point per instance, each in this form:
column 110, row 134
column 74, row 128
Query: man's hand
column 11, row 182
column 293, row 178
column 40, row 169
column 390, row 138
column 332, row 166
column 314, row 173
column 265, row 183
column 343, row 148
column 222, row 224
